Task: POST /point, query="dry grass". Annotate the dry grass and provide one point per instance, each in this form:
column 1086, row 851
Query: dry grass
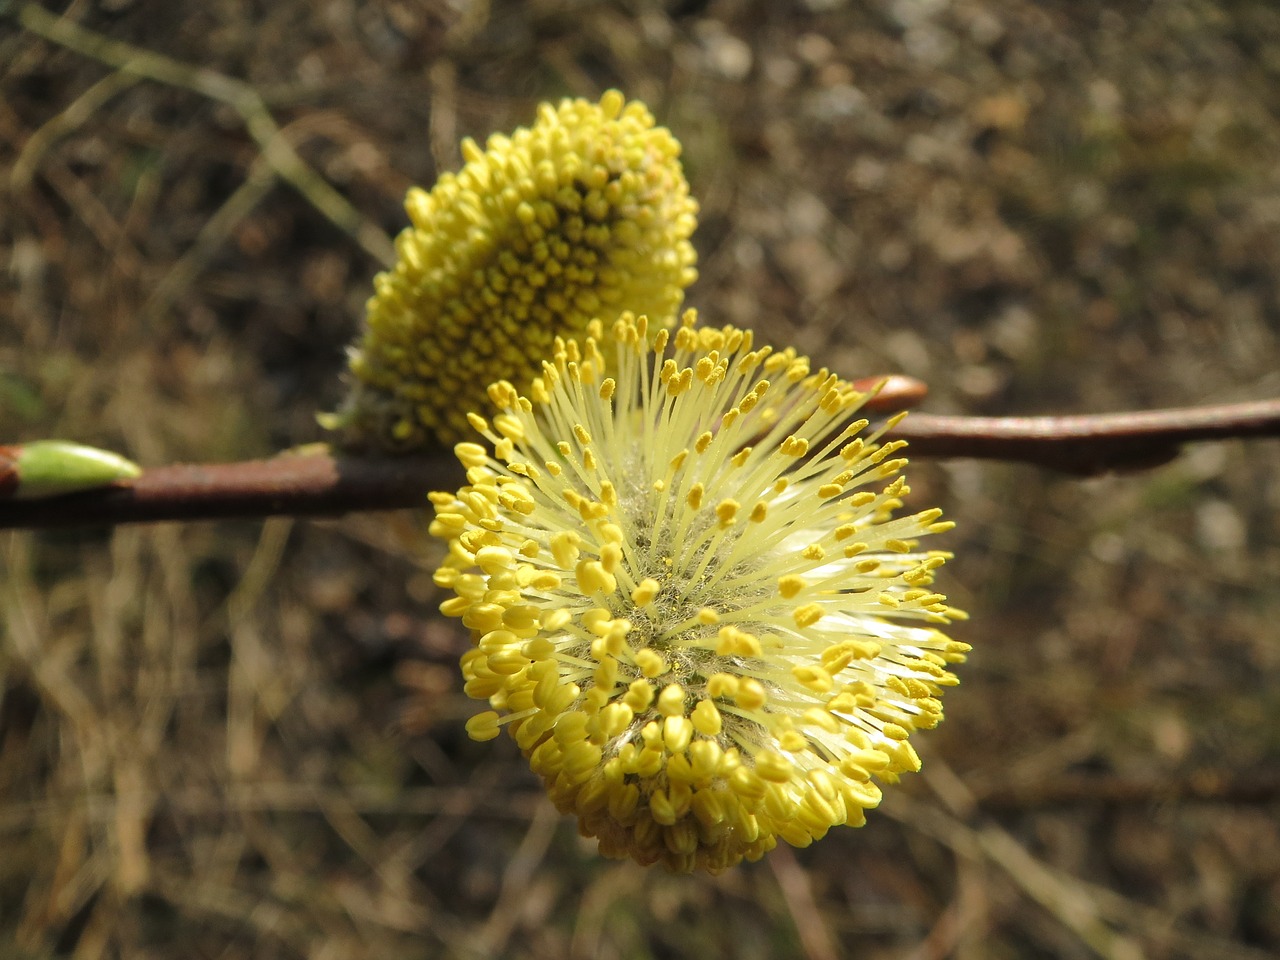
column 243, row 740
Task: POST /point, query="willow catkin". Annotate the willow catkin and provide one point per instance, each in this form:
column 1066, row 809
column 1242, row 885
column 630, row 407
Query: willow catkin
column 581, row 216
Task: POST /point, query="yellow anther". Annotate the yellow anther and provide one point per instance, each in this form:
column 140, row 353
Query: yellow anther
column 661, row 808
column 895, row 732
column 705, row 758
column 794, row 446
column 671, row 700
column 733, row 642
column 650, row 663
column 471, row 454
column 615, row 719
column 606, row 675
column 482, row 616
column 483, row 726
column 639, row 695
column 750, row 695
column 645, row 592
column 571, row 728
column 706, row 719
column 807, row 615
column 694, row 499
column 593, row 578
column 793, row 741
column 539, row 648
column 774, row 767
column 723, row 685
column 610, row 557
column 727, row 511
column 494, row 559
column 677, row 731
column 597, row 620
column 815, row 678
column 509, row 426
column 790, row 584
column 564, row 547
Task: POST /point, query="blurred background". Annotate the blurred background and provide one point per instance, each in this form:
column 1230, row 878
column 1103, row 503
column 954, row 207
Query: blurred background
column 244, row 740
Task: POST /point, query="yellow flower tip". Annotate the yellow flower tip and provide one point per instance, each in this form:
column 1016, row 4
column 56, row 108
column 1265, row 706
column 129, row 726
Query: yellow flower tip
column 483, row 726
column 694, row 679
column 582, row 214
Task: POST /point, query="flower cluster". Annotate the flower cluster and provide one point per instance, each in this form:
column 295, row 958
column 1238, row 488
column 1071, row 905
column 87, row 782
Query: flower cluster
column 690, row 602
column 578, row 217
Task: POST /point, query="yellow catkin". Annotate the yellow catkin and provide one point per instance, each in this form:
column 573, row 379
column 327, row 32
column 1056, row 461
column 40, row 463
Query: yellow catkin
column 579, row 216
column 694, row 680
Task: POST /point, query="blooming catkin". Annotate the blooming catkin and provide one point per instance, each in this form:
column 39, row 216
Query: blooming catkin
column 690, row 602
column 583, row 214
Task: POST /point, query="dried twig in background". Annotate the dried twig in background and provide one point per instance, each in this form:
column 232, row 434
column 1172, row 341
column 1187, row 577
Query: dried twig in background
column 240, row 96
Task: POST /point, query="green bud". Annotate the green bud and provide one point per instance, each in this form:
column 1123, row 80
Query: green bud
column 48, row 468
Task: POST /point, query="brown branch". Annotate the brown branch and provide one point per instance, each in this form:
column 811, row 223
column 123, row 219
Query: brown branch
column 324, row 485
column 1087, row 445
column 314, row 485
